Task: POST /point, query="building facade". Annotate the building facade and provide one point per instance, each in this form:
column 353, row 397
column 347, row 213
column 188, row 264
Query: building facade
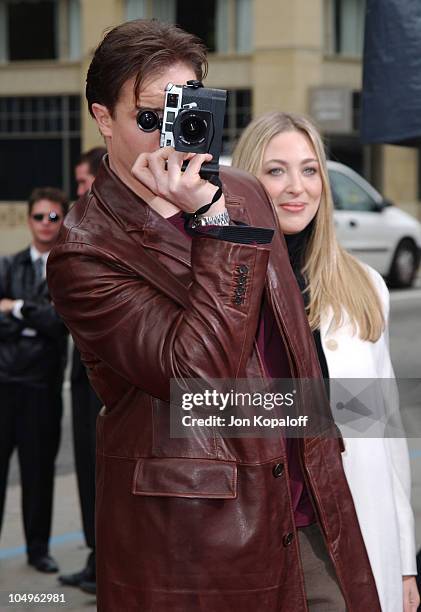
column 269, row 54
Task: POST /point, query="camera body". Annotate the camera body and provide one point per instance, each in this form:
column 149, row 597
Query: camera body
column 193, row 121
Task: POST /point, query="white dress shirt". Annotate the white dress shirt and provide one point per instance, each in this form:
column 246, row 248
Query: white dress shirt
column 17, row 308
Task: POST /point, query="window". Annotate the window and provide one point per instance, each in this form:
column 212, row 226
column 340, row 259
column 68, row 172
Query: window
column 74, row 21
column 224, row 25
column 244, row 23
column 198, row 18
column 39, row 30
column 192, row 16
column 31, row 29
column 39, row 143
column 237, row 117
column 136, row 9
column 348, row 195
column 344, row 27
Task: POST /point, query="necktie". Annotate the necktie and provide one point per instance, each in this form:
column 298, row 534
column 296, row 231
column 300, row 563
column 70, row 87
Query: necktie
column 39, row 270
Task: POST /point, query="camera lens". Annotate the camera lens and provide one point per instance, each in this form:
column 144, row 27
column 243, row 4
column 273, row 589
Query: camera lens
column 193, row 129
column 148, row 120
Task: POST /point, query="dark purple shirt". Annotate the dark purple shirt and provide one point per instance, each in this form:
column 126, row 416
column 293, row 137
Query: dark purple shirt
column 269, row 342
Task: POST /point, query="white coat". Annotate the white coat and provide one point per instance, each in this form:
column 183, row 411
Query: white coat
column 377, row 469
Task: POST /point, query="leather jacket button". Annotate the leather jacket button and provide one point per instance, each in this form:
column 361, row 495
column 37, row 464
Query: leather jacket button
column 287, row 539
column 243, row 269
column 332, row 345
column 278, row 470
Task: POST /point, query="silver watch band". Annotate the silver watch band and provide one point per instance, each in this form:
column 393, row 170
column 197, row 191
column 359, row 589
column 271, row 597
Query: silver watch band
column 221, row 218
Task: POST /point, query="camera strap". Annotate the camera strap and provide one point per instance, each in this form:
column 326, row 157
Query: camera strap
column 189, row 217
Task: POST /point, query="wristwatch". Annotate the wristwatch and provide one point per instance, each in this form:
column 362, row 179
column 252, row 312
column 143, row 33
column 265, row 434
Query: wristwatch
column 221, row 218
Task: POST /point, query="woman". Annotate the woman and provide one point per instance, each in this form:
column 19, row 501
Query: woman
column 347, row 305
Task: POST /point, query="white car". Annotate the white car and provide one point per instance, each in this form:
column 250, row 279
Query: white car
column 371, row 228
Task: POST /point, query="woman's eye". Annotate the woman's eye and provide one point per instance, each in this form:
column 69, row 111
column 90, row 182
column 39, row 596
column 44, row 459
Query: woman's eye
column 310, row 171
column 275, row 171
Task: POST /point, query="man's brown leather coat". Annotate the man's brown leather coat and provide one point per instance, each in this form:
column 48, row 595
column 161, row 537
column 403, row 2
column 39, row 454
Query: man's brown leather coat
column 202, row 524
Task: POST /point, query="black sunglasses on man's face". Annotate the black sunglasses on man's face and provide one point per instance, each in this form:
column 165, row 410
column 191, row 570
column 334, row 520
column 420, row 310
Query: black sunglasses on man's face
column 53, row 217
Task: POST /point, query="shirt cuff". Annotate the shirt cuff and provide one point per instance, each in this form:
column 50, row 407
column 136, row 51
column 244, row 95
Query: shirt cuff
column 17, row 309
column 241, row 234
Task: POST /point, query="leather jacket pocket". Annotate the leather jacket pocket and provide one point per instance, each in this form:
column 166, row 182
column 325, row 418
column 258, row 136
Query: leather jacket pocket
column 181, row 477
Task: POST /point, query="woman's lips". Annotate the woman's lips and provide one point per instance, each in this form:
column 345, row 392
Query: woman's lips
column 294, row 208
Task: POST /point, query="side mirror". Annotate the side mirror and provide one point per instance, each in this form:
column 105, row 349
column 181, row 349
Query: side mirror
column 378, row 207
column 387, row 202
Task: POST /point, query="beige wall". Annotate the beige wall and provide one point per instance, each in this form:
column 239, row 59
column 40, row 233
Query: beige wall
column 400, row 180
column 97, row 17
column 288, row 58
column 230, row 71
column 14, row 233
column 40, row 78
column 338, row 72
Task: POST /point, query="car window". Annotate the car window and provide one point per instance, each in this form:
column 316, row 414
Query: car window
column 348, row 195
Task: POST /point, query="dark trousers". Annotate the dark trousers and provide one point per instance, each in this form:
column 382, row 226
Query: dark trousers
column 85, row 408
column 322, row 589
column 30, row 420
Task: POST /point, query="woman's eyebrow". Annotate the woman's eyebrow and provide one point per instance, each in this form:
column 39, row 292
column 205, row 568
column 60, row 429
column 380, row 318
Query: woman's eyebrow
column 283, row 161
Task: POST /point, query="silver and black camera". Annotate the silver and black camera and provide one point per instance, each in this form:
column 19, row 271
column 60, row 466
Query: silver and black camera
column 193, row 121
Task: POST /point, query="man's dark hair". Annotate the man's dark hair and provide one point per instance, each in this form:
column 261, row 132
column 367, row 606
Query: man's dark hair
column 48, row 193
column 137, row 49
column 93, row 158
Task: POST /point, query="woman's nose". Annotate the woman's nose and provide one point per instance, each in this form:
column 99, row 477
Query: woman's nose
column 295, row 183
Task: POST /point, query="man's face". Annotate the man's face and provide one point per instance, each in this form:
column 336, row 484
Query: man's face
column 125, row 140
column 84, row 178
column 44, row 231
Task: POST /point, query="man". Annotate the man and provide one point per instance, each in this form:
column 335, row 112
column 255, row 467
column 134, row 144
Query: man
column 87, row 168
column 32, row 357
column 205, row 522
column 85, row 408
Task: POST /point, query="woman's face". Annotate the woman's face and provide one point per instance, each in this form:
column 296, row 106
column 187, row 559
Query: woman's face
column 291, row 175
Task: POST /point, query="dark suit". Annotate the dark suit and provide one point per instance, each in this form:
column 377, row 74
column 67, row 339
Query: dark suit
column 85, row 408
column 31, row 375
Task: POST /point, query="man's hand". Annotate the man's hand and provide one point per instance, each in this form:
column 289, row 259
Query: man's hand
column 6, row 305
column 411, row 598
column 160, row 171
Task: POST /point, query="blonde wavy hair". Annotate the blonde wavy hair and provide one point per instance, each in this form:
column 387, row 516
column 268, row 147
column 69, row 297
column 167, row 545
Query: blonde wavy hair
column 335, row 278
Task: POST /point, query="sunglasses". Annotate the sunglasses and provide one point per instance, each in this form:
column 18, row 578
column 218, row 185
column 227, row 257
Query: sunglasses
column 148, row 120
column 53, row 217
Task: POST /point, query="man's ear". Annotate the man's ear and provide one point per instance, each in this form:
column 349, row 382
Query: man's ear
column 103, row 119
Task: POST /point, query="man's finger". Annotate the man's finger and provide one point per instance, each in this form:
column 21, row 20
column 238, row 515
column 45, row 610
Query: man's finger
column 196, row 163
column 142, row 172
column 174, row 165
column 158, row 162
column 143, row 160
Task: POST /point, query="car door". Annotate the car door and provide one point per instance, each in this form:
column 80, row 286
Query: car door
column 360, row 221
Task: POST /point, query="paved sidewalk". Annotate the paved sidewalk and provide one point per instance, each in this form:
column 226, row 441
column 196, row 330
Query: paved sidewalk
column 67, row 547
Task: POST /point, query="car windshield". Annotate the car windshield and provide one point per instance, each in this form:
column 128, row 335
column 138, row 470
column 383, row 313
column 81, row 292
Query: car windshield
column 348, row 195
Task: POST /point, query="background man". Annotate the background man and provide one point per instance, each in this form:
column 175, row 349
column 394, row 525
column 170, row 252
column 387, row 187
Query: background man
column 86, row 169
column 32, row 356
column 85, row 408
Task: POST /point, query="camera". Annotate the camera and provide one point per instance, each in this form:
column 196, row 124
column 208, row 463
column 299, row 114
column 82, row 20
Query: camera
column 193, row 121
